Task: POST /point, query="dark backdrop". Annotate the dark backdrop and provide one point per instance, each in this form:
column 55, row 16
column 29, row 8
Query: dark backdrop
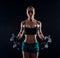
column 13, row 12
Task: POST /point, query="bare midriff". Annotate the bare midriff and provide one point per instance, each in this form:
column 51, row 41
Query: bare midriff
column 30, row 38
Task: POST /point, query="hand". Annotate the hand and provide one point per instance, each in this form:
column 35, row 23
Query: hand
column 44, row 43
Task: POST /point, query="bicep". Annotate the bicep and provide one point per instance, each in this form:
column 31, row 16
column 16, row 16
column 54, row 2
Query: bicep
column 40, row 28
column 21, row 27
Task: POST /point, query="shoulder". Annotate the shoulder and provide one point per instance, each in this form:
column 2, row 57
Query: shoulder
column 38, row 22
column 23, row 22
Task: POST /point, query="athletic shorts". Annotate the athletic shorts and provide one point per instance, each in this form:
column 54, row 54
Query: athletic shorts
column 32, row 48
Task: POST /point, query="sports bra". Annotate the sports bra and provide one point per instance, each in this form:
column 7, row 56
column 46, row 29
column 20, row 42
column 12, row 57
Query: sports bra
column 31, row 31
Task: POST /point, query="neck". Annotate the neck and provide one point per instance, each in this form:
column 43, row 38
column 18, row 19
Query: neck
column 31, row 19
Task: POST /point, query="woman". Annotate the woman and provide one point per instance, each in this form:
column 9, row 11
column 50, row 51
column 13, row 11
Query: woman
column 30, row 28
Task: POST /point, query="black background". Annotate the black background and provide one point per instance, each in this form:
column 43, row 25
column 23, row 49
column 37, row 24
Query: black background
column 13, row 12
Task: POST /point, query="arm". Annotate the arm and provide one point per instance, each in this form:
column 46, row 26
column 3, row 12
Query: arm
column 40, row 34
column 20, row 34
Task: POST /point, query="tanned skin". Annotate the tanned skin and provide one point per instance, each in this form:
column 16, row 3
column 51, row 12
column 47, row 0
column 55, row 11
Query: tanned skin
column 30, row 22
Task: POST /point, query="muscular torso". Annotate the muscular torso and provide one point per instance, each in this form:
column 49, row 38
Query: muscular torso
column 30, row 38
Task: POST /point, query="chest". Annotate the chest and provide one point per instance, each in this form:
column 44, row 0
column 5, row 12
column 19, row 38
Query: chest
column 31, row 24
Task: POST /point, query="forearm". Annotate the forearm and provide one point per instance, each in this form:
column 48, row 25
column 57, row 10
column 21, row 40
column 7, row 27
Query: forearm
column 20, row 34
column 41, row 36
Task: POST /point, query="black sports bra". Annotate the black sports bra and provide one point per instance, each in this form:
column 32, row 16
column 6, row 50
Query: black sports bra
column 31, row 31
